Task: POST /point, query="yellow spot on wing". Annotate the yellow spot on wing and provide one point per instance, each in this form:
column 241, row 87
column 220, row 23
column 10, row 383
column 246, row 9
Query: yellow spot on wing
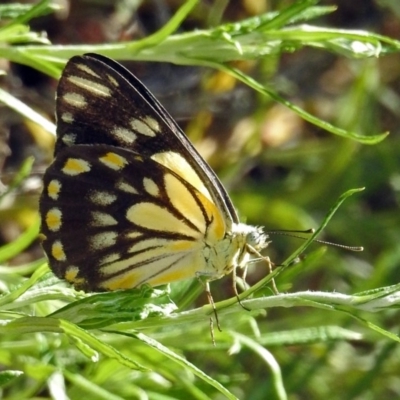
column 71, row 273
column 180, row 166
column 152, row 216
column 53, row 189
column 53, row 219
column 57, row 251
column 216, row 230
column 71, row 276
column 151, row 187
column 185, row 203
column 114, row 161
column 149, row 258
column 172, row 261
column 125, row 280
column 76, row 166
column 168, row 277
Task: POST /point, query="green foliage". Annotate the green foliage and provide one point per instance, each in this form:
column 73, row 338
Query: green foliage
column 155, row 343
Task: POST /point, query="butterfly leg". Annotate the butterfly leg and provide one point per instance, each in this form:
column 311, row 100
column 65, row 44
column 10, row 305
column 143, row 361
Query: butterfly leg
column 206, row 285
column 234, row 286
column 269, row 263
column 211, row 301
column 273, row 284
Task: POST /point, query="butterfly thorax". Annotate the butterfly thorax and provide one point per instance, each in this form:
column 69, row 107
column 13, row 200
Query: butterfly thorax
column 233, row 251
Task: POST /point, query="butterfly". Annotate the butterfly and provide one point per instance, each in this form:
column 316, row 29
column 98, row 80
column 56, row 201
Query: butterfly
column 128, row 200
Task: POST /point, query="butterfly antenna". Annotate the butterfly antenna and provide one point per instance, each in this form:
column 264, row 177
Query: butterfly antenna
column 311, row 231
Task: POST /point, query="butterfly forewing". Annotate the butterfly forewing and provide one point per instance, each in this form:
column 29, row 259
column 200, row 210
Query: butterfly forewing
column 99, row 101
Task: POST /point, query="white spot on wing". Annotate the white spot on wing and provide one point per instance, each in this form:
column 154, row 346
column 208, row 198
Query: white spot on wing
column 75, row 100
column 152, row 123
column 102, row 219
column 151, row 187
column 102, row 240
column 69, row 139
column 126, row 187
column 102, row 198
column 133, row 235
column 93, row 87
column 113, row 81
column 67, row 117
column 141, row 127
column 126, row 135
column 85, row 68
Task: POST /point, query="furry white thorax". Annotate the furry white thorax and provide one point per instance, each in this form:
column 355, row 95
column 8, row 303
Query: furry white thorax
column 233, row 251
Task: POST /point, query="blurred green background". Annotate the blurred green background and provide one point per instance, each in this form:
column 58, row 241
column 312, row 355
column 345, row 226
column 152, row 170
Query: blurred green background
column 282, row 173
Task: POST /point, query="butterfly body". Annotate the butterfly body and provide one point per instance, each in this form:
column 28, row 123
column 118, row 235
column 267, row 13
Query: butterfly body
column 128, row 200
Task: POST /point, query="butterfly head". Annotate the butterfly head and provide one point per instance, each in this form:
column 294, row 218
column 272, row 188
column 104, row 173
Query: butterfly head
column 254, row 236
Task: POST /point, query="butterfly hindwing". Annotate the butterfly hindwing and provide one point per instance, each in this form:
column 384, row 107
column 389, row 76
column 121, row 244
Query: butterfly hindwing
column 113, row 218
